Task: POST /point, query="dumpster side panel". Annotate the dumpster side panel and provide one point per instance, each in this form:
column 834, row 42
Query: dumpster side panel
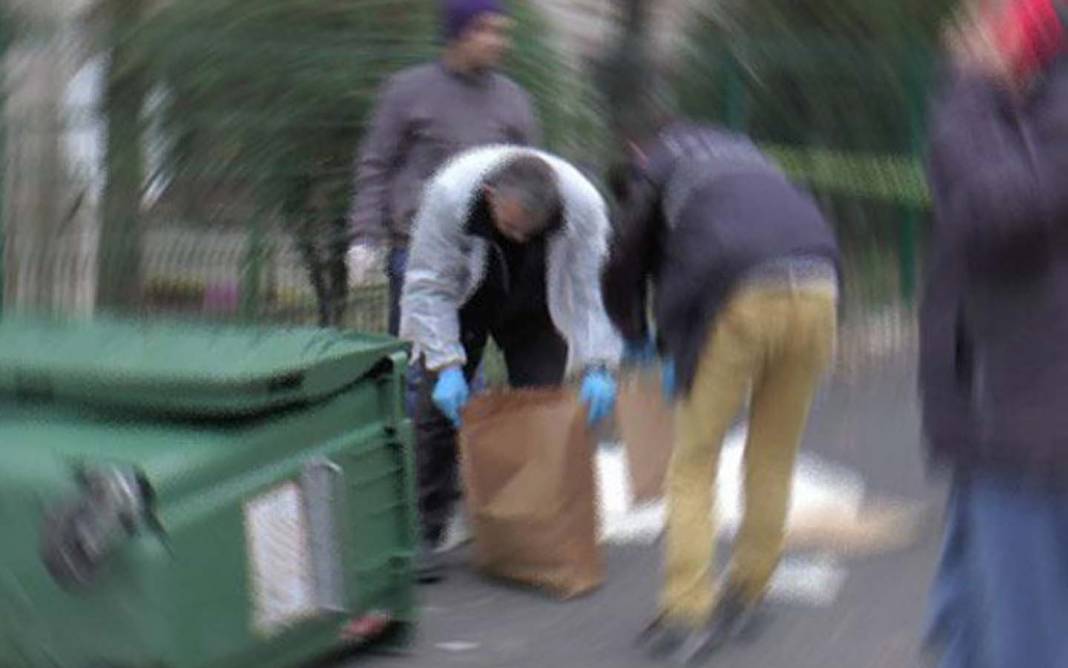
column 373, row 508
column 329, row 485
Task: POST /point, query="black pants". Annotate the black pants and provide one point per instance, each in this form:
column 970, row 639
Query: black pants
column 535, row 354
column 396, row 266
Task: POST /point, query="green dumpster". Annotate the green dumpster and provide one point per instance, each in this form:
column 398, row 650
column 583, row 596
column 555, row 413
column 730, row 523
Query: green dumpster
column 183, row 496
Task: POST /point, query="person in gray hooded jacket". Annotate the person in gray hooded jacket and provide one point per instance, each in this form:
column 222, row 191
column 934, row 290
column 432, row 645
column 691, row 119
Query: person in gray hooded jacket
column 509, row 243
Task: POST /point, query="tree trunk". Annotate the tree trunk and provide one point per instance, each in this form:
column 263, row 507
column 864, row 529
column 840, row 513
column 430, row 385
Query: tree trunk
column 627, row 66
column 119, row 274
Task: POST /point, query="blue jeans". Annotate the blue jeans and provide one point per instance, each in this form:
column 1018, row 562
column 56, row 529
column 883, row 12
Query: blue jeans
column 1000, row 597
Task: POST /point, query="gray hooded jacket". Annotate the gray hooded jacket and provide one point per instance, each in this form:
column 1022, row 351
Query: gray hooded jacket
column 447, row 265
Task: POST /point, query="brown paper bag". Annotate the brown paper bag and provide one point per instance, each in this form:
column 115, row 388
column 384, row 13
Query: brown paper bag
column 647, row 428
column 527, row 462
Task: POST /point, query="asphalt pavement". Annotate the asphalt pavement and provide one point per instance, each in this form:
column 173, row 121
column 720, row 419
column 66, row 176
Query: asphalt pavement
column 873, row 621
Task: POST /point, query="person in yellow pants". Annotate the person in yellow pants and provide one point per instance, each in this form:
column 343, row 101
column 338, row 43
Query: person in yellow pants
column 770, row 345
column 744, row 269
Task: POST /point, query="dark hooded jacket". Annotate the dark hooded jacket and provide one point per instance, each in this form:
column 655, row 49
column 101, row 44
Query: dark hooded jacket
column 705, row 208
column 994, row 323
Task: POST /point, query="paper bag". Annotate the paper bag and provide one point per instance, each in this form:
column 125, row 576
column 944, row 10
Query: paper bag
column 527, row 462
column 646, row 426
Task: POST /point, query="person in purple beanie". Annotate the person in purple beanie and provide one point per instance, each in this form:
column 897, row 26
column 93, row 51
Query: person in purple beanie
column 425, row 116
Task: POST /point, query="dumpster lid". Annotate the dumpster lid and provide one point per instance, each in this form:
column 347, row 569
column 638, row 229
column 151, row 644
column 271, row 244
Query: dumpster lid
column 183, row 368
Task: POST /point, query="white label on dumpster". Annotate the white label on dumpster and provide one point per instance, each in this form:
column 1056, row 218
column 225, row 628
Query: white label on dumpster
column 276, row 532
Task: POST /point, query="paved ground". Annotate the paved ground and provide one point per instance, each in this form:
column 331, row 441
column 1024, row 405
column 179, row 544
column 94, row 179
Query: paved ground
column 870, row 426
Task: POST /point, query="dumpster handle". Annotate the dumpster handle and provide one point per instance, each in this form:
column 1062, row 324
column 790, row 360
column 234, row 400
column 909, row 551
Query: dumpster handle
column 78, row 536
column 287, row 383
column 390, row 371
column 323, row 484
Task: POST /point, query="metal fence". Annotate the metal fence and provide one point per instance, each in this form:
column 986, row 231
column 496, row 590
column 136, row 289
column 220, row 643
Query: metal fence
column 195, row 158
column 205, row 244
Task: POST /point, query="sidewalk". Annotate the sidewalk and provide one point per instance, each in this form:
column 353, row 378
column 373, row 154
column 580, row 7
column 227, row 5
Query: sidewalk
column 871, row 621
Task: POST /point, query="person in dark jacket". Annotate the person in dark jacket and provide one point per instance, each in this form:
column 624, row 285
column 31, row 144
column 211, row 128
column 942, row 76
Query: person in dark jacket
column 994, row 326
column 744, row 272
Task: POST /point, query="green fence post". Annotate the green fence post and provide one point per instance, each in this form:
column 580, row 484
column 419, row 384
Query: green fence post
column 3, row 216
column 907, row 259
column 252, row 274
column 733, row 94
column 914, row 87
column 4, row 34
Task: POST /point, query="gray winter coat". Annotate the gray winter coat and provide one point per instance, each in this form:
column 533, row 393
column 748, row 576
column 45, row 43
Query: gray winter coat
column 447, row 265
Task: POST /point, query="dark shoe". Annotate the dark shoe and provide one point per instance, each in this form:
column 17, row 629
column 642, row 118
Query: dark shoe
column 428, row 564
column 663, row 638
column 731, row 620
column 696, row 647
column 457, row 533
column 734, row 617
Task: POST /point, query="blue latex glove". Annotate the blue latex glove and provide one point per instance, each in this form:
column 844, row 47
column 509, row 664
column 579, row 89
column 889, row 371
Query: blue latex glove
column 451, row 394
column 639, row 353
column 599, row 395
column 667, row 380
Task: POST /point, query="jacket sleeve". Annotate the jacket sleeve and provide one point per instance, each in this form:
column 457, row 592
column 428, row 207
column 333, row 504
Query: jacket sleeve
column 999, row 187
column 378, row 158
column 631, row 259
column 435, row 281
column 592, row 339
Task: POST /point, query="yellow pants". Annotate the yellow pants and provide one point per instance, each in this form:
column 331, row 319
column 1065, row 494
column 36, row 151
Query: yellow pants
column 771, row 345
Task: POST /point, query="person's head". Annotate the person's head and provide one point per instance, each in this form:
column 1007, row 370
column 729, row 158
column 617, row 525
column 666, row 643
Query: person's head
column 476, row 33
column 1008, row 40
column 523, row 197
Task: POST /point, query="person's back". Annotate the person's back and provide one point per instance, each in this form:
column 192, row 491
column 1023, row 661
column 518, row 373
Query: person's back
column 1009, row 230
column 726, row 210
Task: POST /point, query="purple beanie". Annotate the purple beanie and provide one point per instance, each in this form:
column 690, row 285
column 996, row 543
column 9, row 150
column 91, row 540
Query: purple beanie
column 457, row 15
